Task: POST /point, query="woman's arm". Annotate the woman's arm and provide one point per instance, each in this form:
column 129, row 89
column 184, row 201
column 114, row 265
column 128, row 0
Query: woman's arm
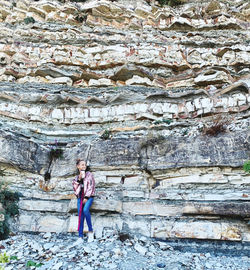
column 76, row 187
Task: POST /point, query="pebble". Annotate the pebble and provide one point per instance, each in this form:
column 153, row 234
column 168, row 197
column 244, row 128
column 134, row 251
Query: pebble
column 164, row 246
column 88, row 267
column 55, row 249
column 47, row 235
column 117, row 251
column 57, row 266
column 106, row 254
column 142, row 250
column 111, row 253
column 161, row 265
column 112, row 266
column 208, row 265
column 87, row 249
column 48, row 245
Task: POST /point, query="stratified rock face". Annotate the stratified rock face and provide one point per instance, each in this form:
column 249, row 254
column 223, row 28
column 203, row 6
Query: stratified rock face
column 156, row 98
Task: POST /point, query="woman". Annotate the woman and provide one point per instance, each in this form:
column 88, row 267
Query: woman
column 84, row 189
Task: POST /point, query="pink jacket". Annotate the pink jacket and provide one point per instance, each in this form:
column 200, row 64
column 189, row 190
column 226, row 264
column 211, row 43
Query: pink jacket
column 88, row 185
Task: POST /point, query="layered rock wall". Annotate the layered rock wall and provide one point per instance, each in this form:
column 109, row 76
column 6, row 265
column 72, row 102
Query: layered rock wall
column 157, row 99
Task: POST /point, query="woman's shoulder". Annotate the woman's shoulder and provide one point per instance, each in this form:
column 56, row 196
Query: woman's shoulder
column 88, row 173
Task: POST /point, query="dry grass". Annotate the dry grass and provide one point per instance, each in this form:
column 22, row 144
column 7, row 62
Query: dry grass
column 217, row 126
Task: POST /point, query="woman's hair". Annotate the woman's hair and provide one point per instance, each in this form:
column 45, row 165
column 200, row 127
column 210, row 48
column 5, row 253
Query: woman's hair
column 79, row 160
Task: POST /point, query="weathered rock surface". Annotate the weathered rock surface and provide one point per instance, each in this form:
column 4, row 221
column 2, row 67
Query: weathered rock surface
column 157, row 98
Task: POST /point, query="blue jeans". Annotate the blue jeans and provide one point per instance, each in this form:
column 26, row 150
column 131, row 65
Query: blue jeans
column 85, row 214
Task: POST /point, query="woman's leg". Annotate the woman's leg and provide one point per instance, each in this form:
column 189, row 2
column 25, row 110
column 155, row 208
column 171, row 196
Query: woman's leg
column 82, row 217
column 87, row 213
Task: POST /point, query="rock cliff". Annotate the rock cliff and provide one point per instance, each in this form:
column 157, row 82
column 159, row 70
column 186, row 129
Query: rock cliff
column 157, row 98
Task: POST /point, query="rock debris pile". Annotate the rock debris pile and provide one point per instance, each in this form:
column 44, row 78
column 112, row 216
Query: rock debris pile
column 157, row 97
column 112, row 251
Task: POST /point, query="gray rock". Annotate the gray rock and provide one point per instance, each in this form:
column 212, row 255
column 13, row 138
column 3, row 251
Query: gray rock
column 35, row 246
column 98, row 232
column 48, row 246
column 105, row 254
column 117, row 251
column 208, row 265
column 55, row 249
column 87, row 267
column 47, row 235
column 87, row 249
column 142, row 250
column 57, row 266
column 164, row 246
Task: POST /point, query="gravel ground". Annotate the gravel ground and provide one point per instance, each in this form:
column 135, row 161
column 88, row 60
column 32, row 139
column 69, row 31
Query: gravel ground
column 121, row 251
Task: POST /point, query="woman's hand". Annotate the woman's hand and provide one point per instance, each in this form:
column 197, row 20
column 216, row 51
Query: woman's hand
column 82, row 174
column 85, row 200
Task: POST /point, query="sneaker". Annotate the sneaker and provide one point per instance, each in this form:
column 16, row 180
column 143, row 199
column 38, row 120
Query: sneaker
column 90, row 237
column 78, row 242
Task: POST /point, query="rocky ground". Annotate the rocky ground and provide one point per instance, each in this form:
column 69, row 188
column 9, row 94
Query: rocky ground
column 120, row 251
column 156, row 98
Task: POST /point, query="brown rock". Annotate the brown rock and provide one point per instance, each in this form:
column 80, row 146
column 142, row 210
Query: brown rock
column 213, row 7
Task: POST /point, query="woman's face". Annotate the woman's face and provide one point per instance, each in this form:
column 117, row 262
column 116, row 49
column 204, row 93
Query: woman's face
column 81, row 166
